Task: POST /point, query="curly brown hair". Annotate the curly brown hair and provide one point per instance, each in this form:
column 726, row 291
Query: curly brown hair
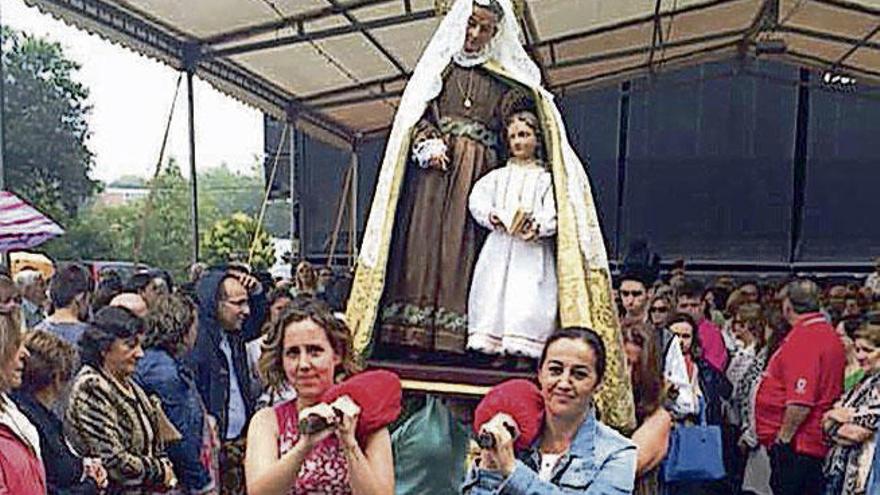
column 10, row 343
column 270, row 365
column 51, row 358
column 168, row 322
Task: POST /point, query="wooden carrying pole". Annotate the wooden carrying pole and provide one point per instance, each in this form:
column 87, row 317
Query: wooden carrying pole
column 353, row 207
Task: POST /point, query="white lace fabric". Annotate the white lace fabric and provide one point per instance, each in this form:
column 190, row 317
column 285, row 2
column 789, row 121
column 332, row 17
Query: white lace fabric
column 426, row 84
column 505, row 50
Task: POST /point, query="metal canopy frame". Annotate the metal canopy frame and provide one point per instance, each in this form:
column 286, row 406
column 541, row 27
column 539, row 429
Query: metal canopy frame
column 211, row 57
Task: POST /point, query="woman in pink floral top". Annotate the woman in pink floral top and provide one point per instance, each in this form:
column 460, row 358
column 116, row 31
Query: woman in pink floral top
column 310, row 350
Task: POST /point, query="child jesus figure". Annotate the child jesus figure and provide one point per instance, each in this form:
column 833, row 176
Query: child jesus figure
column 512, row 304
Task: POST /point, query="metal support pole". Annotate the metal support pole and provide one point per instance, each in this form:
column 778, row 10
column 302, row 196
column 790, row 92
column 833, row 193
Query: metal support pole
column 344, row 198
column 5, row 258
column 2, row 119
column 799, row 178
column 192, row 167
column 622, row 153
column 294, row 224
column 353, row 211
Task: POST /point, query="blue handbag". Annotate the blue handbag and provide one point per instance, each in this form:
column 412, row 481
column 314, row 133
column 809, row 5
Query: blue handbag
column 695, row 452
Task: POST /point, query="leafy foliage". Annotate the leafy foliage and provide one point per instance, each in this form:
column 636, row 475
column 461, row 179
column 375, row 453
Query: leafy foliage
column 228, row 205
column 46, row 128
column 243, row 192
column 230, row 240
column 112, row 232
column 48, row 163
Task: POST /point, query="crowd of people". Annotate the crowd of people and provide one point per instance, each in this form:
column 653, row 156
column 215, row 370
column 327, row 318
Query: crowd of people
column 140, row 386
column 146, row 386
column 786, row 371
column 482, row 239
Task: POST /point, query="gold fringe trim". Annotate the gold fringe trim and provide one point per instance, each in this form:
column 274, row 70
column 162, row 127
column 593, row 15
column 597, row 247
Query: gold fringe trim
column 366, row 290
column 585, row 298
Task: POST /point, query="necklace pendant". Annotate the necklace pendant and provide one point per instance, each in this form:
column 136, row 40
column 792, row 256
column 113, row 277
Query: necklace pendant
column 468, row 103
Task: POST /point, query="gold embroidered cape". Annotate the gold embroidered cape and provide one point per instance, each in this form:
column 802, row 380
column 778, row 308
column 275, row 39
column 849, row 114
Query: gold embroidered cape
column 585, row 297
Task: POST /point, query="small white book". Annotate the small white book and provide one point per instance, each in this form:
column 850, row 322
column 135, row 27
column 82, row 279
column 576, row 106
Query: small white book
column 514, row 222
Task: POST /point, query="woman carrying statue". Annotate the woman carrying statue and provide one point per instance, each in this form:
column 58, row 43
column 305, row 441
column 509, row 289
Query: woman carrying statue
column 420, row 245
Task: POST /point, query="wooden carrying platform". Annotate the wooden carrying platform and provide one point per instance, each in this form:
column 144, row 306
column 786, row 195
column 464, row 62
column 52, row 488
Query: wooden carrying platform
column 447, row 380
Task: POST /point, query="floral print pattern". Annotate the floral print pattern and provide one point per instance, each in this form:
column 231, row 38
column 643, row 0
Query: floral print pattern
column 325, row 470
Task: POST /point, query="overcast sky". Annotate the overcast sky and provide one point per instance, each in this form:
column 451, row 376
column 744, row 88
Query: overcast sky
column 131, row 96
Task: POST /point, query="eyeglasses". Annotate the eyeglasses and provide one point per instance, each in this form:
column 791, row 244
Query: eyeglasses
column 633, row 293
column 240, row 304
column 659, row 309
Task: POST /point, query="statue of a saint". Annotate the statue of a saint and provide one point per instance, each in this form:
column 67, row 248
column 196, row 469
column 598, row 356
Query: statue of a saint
column 435, row 241
column 421, row 243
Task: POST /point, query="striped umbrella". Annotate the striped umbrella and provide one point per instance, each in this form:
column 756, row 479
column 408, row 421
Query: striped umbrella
column 22, row 226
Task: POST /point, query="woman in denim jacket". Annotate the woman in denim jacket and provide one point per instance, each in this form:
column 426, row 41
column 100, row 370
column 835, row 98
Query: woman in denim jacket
column 575, row 453
column 171, row 333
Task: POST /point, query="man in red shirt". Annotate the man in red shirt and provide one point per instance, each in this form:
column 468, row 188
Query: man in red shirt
column 802, row 381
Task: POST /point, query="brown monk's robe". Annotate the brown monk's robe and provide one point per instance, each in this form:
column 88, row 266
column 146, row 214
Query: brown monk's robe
column 435, row 241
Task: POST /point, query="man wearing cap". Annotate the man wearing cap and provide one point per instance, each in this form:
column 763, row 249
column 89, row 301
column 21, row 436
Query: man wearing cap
column 802, row 381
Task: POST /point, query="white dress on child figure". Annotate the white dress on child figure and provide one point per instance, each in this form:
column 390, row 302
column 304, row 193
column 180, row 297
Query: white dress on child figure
column 512, row 305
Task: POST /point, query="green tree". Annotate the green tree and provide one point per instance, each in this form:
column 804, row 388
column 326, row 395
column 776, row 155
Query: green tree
column 94, row 234
column 243, row 192
column 45, row 113
column 230, row 240
column 102, row 232
column 110, row 232
column 167, row 232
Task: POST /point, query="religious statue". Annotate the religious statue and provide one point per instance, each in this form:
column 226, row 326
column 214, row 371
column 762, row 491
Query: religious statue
column 421, row 243
column 512, row 304
column 435, row 241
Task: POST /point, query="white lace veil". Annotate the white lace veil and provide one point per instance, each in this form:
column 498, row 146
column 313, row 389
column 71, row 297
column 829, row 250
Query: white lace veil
column 426, row 83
